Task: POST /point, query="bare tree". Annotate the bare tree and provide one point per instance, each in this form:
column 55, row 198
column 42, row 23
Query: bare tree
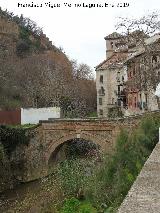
column 81, row 71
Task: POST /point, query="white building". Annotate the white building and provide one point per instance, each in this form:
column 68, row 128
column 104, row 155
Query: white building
column 110, row 75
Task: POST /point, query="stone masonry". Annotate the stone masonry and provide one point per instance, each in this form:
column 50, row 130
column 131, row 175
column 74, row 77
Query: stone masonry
column 49, row 135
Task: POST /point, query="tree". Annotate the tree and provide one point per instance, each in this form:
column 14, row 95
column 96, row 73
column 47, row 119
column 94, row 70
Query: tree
column 83, row 89
column 81, row 71
column 144, row 26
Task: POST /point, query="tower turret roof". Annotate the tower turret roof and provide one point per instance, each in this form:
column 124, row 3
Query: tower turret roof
column 113, row 35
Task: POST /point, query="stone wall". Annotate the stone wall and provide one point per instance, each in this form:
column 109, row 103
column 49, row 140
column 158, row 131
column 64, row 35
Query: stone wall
column 144, row 196
column 6, row 177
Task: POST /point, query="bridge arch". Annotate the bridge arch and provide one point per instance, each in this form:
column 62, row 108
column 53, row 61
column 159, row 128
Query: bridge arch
column 87, row 137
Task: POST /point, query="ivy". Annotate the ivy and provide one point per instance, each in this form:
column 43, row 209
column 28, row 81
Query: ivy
column 11, row 137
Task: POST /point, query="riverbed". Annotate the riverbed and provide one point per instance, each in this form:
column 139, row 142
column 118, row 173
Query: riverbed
column 32, row 197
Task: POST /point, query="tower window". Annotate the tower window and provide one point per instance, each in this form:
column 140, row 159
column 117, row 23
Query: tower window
column 102, row 91
column 101, row 78
column 112, row 45
column 100, row 101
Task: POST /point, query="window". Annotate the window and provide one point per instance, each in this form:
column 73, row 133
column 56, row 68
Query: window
column 112, row 45
column 102, row 91
column 100, row 101
column 101, row 78
column 119, row 89
column 101, row 111
column 134, row 71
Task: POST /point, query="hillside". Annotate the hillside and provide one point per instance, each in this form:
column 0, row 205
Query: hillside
column 26, row 53
column 35, row 73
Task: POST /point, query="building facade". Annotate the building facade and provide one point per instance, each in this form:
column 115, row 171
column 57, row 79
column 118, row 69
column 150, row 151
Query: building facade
column 110, row 76
column 127, row 79
column 143, row 71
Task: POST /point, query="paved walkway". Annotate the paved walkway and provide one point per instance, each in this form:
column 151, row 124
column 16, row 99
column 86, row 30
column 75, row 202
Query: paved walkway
column 144, row 196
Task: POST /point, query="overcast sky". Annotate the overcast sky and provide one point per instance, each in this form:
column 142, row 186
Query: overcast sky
column 80, row 31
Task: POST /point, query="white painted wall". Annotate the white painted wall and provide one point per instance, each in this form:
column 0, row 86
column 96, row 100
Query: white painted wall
column 33, row 115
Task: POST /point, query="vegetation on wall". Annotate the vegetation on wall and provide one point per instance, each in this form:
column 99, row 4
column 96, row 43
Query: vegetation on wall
column 6, row 180
column 11, row 137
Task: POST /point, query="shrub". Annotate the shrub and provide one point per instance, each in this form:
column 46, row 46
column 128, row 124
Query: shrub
column 23, row 46
column 105, row 185
column 73, row 205
column 74, row 175
column 70, row 205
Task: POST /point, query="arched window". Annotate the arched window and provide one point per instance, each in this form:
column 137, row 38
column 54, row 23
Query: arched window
column 112, row 45
column 102, row 90
column 101, row 78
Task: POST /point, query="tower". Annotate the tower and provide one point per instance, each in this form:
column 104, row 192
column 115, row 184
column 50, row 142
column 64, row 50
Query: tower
column 111, row 41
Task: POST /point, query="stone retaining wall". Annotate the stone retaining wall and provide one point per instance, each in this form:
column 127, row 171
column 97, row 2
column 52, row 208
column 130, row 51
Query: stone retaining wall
column 144, row 195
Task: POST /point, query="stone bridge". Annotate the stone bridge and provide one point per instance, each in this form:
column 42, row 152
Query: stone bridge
column 49, row 135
